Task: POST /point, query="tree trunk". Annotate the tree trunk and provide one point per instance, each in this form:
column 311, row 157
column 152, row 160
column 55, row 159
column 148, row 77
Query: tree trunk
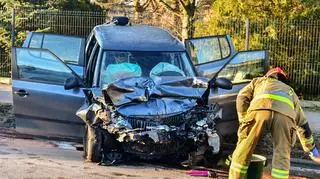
column 137, row 16
column 137, row 10
column 177, row 19
column 187, row 24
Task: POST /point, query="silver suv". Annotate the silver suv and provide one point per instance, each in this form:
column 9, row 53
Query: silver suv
column 52, row 74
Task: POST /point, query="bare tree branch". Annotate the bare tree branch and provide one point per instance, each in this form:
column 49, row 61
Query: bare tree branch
column 177, row 31
column 183, row 4
column 154, row 5
column 146, row 4
column 202, row 3
column 167, row 6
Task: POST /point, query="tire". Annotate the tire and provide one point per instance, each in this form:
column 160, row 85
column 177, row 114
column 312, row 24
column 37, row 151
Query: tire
column 109, row 142
column 92, row 142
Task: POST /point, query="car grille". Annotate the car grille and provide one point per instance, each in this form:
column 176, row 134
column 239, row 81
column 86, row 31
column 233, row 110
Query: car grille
column 154, row 150
column 141, row 123
column 176, row 120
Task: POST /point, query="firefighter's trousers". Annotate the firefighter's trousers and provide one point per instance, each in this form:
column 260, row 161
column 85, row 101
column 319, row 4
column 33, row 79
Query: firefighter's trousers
column 283, row 133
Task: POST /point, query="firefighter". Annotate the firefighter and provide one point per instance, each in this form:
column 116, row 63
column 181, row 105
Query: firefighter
column 268, row 103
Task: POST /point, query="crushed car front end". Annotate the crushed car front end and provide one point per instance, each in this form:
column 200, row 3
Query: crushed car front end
column 151, row 118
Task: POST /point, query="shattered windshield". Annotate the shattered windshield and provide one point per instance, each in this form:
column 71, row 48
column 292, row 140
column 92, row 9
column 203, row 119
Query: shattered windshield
column 117, row 65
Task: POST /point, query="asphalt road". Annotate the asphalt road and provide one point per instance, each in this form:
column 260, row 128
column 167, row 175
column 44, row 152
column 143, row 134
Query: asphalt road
column 26, row 158
column 23, row 158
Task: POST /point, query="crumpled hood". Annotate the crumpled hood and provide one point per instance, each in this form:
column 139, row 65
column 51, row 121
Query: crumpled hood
column 154, row 96
column 138, row 89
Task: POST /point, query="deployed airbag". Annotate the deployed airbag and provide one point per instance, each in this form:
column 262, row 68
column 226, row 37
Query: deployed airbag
column 118, row 71
column 164, row 67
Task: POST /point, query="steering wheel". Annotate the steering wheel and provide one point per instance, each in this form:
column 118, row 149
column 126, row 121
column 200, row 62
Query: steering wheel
column 169, row 73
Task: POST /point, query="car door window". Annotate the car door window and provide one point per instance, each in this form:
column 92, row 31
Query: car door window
column 69, row 49
column 225, row 47
column 60, row 46
column 40, row 65
column 245, row 66
column 209, row 54
column 205, row 51
column 36, row 40
column 208, row 49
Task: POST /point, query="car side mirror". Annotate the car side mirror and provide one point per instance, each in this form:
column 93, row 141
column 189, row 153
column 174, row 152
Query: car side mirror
column 223, row 83
column 72, row 83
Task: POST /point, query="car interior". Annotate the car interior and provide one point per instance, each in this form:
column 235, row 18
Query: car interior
column 135, row 64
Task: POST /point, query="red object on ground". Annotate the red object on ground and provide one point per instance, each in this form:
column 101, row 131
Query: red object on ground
column 199, row 173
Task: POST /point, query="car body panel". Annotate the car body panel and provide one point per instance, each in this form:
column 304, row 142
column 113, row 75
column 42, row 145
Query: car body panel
column 136, row 38
column 227, row 98
column 46, row 109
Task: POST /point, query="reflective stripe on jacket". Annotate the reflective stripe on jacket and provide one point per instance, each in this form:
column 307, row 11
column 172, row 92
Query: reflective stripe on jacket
column 268, row 93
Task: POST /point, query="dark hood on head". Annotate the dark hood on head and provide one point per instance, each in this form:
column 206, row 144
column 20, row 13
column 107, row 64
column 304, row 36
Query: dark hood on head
column 142, row 89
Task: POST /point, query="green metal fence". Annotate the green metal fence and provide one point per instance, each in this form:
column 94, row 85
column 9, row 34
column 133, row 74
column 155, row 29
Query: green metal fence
column 4, row 57
column 77, row 23
column 292, row 45
column 5, row 65
column 296, row 48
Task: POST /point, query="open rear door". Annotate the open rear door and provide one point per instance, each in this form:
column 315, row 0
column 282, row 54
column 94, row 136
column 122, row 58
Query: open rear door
column 240, row 70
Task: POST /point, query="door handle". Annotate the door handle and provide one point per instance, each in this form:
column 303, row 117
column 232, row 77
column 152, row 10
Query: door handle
column 22, row 93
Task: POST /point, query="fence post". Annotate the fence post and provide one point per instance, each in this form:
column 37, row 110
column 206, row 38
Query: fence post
column 13, row 26
column 247, row 34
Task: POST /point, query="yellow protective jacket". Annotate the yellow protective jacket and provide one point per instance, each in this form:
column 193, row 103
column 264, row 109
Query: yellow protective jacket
column 271, row 94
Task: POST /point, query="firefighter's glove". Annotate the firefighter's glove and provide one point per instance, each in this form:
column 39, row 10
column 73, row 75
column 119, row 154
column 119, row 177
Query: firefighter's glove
column 314, row 155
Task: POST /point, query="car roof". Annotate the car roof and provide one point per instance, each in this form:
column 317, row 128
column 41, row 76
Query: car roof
column 136, row 38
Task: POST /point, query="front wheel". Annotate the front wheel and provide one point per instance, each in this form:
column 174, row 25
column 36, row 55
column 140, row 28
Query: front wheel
column 92, row 142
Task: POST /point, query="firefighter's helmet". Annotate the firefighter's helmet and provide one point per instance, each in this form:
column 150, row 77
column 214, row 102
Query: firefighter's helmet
column 278, row 73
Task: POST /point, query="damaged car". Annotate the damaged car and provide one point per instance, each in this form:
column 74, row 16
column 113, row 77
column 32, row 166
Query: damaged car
column 152, row 117
column 137, row 89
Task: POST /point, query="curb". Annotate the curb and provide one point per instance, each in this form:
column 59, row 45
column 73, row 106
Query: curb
column 310, row 104
column 302, row 167
column 305, row 172
column 305, row 168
